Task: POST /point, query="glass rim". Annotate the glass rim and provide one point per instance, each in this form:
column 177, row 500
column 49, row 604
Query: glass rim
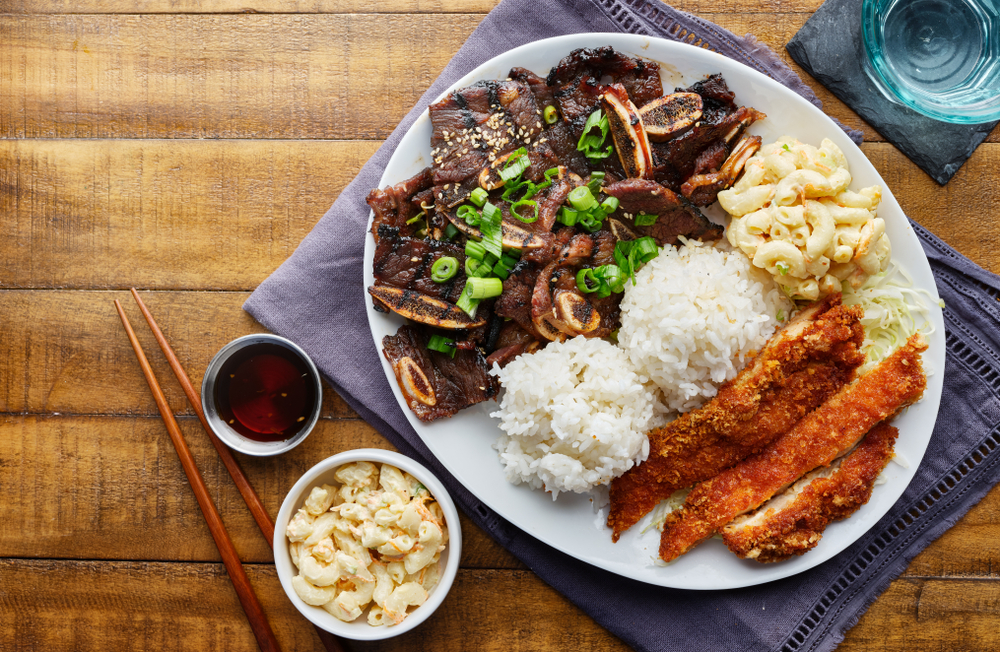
column 888, row 83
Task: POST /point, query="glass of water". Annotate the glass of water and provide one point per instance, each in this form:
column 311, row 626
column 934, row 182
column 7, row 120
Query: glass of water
column 938, row 57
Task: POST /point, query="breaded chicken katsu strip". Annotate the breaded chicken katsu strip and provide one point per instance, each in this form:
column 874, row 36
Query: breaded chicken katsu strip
column 800, row 367
column 818, row 439
column 792, row 522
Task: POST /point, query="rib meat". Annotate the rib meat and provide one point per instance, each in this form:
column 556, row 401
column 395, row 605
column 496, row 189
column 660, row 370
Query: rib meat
column 815, row 441
column 435, row 385
column 675, row 215
column 801, row 366
column 792, row 523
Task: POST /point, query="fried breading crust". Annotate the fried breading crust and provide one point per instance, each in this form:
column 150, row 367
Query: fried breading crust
column 775, row 534
column 799, row 368
column 819, row 438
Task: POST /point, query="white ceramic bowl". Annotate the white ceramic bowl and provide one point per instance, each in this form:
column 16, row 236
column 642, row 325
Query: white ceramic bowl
column 360, row 630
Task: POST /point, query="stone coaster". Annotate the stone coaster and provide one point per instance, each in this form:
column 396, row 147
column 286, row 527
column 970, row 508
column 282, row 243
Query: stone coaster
column 830, row 48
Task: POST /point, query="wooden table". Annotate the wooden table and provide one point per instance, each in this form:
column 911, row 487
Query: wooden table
column 186, row 147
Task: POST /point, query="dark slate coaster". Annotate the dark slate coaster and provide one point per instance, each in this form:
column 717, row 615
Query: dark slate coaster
column 829, row 47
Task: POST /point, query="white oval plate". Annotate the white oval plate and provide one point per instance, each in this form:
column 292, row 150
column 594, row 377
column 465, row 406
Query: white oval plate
column 570, row 524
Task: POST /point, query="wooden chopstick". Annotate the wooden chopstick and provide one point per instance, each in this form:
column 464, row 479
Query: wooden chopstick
column 255, row 614
column 253, row 501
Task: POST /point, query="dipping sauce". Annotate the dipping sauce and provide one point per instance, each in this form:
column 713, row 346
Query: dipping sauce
column 264, row 393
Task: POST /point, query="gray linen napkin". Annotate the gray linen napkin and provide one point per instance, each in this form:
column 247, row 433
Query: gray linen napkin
column 316, row 298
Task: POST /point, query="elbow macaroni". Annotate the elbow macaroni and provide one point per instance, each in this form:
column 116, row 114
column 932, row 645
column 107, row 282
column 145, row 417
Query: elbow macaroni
column 793, row 215
column 374, row 541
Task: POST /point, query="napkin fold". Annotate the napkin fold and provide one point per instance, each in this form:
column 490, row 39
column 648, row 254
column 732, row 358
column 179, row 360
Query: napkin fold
column 317, row 299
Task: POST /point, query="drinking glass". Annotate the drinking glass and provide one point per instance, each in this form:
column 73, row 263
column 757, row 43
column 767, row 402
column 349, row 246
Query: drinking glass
column 938, row 57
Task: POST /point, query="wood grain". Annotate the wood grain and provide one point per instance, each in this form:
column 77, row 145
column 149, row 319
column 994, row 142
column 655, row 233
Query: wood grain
column 349, row 6
column 112, row 488
column 77, row 360
column 141, row 607
column 200, row 214
column 223, row 215
column 211, row 76
column 262, row 76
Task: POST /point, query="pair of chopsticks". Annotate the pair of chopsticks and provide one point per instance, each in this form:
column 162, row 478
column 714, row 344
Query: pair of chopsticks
column 248, row 599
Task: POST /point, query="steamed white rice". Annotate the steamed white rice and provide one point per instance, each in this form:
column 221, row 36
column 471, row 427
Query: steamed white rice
column 694, row 317
column 574, row 414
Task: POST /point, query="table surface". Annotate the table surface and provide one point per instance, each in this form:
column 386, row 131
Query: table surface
column 185, row 147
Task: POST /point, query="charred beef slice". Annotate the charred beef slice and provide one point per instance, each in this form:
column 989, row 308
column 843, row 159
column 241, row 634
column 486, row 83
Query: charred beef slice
column 676, row 216
column 394, row 205
column 435, row 385
column 404, row 262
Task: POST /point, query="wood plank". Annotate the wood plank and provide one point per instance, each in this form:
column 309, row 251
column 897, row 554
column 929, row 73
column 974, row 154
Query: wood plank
column 215, row 76
column 67, row 353
column 250, row 76
column 930, row 614
column 85, row 606
column 97, row 487
column 246, row 7
column 265, row 76
column 201, row 214
column 349, row 6
column 141, row 606
column 222, row 215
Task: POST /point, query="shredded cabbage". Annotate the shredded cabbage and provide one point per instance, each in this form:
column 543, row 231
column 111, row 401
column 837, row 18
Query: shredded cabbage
column 659, row 513
column 892, row 309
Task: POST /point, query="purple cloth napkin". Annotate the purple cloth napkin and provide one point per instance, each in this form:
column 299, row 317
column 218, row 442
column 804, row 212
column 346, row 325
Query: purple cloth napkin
column 317, row 299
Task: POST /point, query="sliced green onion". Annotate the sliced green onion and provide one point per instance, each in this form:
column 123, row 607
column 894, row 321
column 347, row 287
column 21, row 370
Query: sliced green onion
column 490, row 226
column 416, row 218
column 444, row 269
column 591, row 144
column 515, row 254
column 550, row 114
column 596, row 179
column 551, row 172
column 466, row 302
column 510, row 260
column 590, row 221
column 483, row 288
column 610, row 205
column 502, row 268
column 586, row 281
column 475, row 267
column 469, row 214
column 478, row 197
column 442, row 345
column 525, row 202
column 646, row 220
column 582, row 199
column 450, row 231
column 782, row 268
column 567, row 216
column 475, row 249
column 632, row 254
column 646, row 249
column 612, row 275
column 516, row 163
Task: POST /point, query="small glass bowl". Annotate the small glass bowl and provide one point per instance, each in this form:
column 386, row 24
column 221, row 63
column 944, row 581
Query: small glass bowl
column 940, row 58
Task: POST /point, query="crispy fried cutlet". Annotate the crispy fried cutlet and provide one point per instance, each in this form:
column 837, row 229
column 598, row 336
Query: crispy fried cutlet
column 805, row 363
column 819, row 438
column 793, row 522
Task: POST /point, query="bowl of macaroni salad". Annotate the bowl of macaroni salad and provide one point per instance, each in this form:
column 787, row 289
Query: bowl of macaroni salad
column 367, row 544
